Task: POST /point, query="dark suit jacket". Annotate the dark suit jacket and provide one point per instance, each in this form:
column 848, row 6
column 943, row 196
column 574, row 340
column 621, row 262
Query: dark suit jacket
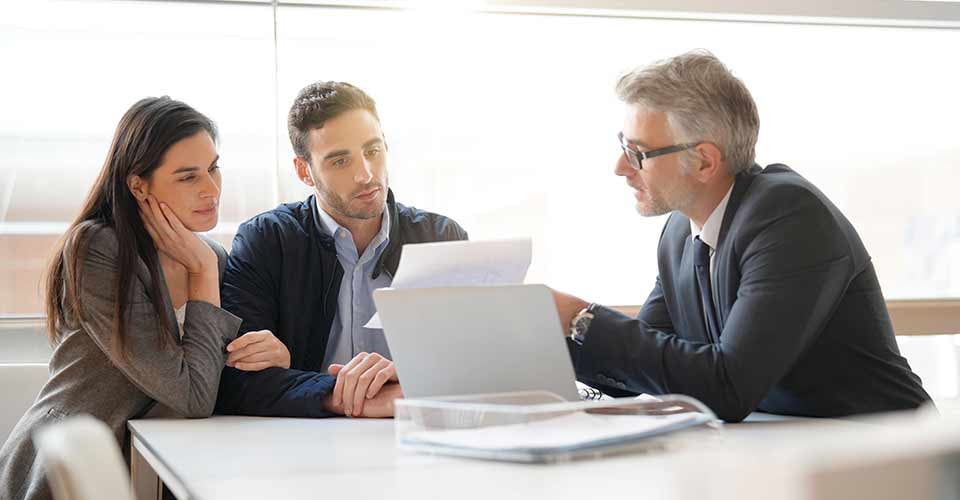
column 804, row 326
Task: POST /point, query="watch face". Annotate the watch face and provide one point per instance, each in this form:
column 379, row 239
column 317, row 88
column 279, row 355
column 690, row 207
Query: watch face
column 583, row 322
column 580, row 325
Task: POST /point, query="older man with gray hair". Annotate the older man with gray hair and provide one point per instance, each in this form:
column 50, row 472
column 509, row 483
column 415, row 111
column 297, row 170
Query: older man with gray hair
column 766, row 298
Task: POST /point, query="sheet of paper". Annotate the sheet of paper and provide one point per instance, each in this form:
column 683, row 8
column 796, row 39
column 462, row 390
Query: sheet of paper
column 461, row 263
column 569, row 431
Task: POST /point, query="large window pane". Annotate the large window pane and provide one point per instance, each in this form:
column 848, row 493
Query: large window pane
column 508, row 123
column 70, row 71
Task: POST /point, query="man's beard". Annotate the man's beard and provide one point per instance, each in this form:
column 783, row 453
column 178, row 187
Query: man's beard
column 342, row 206
column 659, row 203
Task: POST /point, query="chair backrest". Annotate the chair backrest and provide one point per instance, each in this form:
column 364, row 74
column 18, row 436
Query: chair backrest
column 82, row 460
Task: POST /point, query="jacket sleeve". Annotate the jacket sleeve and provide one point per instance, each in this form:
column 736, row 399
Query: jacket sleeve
column 654, row 313
column 182, row 376
column 652, row 316
column 794, row 271
column 251, row 290
column 459, row 233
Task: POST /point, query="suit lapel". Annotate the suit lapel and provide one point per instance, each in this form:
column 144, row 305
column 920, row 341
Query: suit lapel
column 720, row 278
column 740, row 186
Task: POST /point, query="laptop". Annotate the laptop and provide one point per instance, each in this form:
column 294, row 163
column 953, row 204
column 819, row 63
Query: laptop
column 476, row 340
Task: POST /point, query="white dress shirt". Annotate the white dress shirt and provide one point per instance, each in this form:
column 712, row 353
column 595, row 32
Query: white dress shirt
column 710, row 233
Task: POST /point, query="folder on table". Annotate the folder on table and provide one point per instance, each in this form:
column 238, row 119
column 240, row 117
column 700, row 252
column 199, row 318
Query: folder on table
column 540, row 427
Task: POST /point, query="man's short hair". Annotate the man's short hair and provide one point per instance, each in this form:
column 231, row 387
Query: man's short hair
column 703, row 101
column 319, row 102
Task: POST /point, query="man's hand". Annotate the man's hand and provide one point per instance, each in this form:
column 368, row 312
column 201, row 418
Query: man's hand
column 567, row 307
column 255, row 351
column 379, row 406
column 359, row 381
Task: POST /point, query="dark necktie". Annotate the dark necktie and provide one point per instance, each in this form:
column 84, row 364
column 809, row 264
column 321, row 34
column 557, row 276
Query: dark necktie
column 701, row 263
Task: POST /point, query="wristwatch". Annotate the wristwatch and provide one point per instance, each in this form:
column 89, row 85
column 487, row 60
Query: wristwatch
column 580, row 323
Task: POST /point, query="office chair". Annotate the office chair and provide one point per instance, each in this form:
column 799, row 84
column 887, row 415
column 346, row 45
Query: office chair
column 82, row 460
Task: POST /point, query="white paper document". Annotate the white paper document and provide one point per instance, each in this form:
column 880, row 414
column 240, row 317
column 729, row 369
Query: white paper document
column 567, row 432
column 461, row 263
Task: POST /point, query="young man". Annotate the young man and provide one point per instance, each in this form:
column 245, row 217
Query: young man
column 306, row 271
column 766, row 298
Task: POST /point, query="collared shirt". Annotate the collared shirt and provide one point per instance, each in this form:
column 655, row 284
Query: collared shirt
column 355, row 306
column 710, row 234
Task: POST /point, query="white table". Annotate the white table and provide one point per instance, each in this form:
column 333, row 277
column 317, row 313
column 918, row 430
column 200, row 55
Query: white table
column 280, row 458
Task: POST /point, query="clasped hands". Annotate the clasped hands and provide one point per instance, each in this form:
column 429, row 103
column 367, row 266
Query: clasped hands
column 366, row 387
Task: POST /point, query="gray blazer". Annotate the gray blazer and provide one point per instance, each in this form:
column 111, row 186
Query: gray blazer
column 86, row 377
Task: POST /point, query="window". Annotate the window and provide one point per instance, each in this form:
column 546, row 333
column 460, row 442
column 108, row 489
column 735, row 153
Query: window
column 71, row 69
column 506, row 122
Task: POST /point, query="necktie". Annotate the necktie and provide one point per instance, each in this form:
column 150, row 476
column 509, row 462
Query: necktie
column 701, row 263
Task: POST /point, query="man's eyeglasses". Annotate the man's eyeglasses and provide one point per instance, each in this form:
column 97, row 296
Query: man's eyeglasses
column 635, row 158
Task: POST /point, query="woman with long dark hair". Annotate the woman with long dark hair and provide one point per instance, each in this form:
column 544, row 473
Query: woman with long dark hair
column 132, row 292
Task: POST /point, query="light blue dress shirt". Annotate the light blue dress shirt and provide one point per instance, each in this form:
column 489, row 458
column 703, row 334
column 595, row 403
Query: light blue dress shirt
column 355, row 304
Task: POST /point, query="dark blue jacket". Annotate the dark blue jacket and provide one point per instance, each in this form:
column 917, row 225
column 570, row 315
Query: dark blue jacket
column 283, row 275
column 804, row 326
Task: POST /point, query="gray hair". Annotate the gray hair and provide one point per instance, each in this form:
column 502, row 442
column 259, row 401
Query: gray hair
column 703, row 101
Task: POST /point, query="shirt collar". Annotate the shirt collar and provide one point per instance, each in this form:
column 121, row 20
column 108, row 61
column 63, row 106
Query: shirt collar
column 327, row 222
column 710, row 232
column 383, row 236
column 332, row 226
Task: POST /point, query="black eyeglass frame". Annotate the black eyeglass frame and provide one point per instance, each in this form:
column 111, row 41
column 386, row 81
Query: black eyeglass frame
column 635, row 158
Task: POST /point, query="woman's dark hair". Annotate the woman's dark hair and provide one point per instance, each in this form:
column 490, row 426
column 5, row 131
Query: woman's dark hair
column 145, row 133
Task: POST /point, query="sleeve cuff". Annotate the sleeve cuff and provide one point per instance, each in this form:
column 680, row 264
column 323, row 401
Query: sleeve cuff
column 212, row 318
column 588, row 359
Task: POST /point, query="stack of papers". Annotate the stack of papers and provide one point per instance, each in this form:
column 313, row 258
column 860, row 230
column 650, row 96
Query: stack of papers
column 561, row 436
